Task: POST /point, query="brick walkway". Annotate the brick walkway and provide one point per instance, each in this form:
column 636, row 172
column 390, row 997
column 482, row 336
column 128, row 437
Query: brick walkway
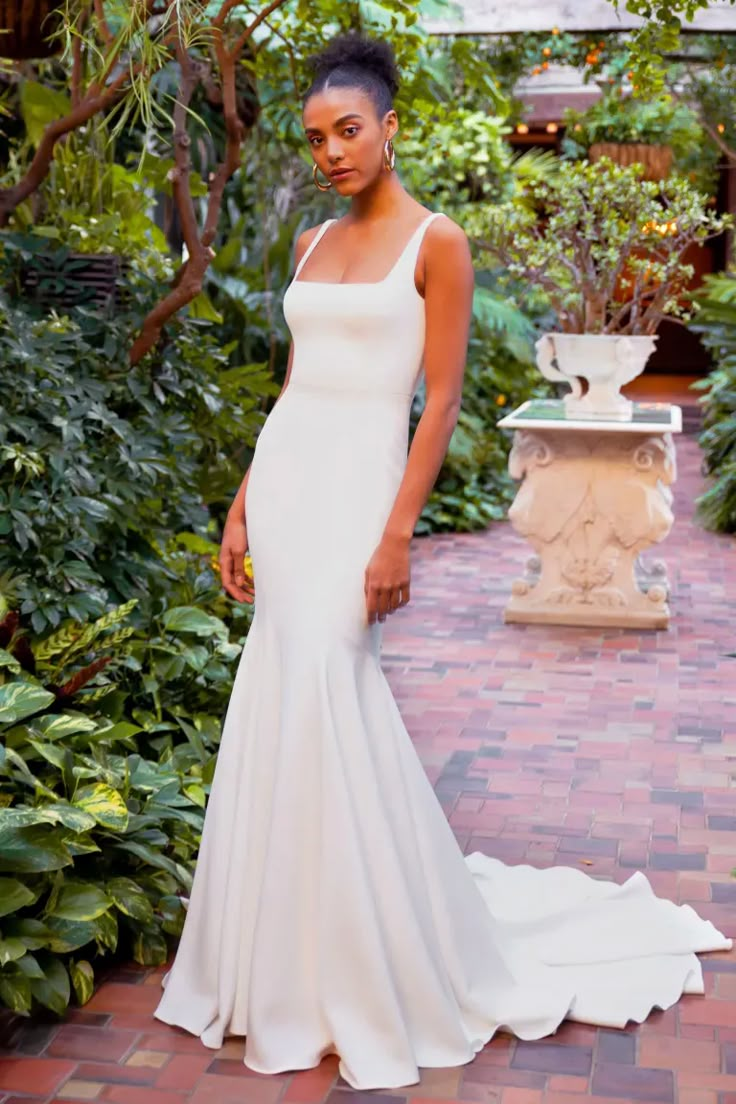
column 615, row 750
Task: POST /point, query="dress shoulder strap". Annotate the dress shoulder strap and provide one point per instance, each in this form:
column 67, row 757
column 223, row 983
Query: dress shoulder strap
column 411, row 252
column 312, row 244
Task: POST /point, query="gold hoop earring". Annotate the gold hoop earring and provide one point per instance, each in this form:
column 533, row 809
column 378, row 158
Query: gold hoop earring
column 389, row 156
column 322, row 187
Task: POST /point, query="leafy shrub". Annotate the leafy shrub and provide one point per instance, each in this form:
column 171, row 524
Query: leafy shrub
column 716, row 324
column 101, row 463
column 102, row 801
column 473, row 487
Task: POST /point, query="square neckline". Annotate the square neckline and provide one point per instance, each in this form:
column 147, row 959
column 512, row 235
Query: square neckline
column 357, row 283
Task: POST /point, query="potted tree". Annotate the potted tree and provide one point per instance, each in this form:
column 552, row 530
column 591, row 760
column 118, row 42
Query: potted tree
column 606, row 248
column 661, row 135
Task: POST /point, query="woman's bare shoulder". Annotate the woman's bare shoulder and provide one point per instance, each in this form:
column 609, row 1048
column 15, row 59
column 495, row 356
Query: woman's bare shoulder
column 445, row 229
column 446, row 242
column 305, row 239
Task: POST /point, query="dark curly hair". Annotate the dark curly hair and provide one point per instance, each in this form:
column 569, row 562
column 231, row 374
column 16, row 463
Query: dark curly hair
column 353, row 60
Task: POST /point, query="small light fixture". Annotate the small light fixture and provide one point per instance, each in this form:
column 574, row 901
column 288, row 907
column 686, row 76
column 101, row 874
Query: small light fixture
column 522, row 128
column 551, row 128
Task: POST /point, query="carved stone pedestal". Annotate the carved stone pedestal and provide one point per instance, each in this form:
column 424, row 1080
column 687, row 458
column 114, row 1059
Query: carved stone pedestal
column 593, row 496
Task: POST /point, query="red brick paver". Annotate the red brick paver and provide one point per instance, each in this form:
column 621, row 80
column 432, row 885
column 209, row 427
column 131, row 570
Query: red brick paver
column 607, row 749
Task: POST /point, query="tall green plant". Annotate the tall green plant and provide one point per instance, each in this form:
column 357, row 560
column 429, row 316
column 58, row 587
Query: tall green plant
column 715, row 321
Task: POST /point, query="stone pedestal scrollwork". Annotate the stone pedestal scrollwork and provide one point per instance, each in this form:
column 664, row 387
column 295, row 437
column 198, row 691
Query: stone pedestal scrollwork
column 592, row 499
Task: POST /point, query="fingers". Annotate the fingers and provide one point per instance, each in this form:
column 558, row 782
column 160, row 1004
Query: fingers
column 235, row 580
column 380, row 601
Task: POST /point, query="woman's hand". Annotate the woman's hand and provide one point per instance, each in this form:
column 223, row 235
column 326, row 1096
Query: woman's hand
column 387, row 578
column 232, row 555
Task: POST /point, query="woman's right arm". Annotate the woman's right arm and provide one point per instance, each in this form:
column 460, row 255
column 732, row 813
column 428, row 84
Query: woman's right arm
column 235, row 535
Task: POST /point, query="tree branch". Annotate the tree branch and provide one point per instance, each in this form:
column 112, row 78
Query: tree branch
column 189, row 280
column 76, row 70
column 179, row 175
column 95, row 101
column 102, row 25
column 290, row 52
column 693, row 102
column 260, row 18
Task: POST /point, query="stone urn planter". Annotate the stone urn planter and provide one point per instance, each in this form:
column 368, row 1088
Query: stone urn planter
column 596, row 366
column 596, row 471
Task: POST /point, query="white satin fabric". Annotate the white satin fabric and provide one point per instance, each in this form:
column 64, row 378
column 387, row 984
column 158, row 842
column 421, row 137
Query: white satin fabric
column 332, row 909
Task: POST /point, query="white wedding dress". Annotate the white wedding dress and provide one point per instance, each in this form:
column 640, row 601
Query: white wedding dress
column 332, row 910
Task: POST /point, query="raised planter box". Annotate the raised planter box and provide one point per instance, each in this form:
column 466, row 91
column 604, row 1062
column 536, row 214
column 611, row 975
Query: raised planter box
column 25, row 26
column 78, row 279
column 657, row 160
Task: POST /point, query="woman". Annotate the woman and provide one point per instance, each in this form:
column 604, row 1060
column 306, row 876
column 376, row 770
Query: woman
column 332, row 910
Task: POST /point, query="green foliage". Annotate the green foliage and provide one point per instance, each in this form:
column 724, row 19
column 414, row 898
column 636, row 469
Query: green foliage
column 602, row 58
column 102, row 800
column 457, row 156
column 618, row 118
column 657, row 37
column 716, row 324
column 101, row 462
column 604, row 245
column 707, row 78
column 473, row 487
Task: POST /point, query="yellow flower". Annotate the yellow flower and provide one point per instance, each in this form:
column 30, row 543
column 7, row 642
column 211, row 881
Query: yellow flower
column 247, row 565
column 500, row 400
column 215, row 564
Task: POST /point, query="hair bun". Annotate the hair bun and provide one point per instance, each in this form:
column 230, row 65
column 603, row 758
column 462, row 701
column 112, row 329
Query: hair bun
column 360, row 52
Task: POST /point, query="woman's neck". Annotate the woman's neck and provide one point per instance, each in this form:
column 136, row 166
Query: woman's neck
column 385, row 199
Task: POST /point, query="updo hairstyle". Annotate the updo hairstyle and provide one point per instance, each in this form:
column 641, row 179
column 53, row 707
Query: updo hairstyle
column 353, row 60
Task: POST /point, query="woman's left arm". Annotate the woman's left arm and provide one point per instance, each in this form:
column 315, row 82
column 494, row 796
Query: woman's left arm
column 448, row 298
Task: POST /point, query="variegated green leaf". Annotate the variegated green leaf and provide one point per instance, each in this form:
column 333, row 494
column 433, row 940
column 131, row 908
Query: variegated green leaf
column 35, row 848
column 130, row 899
column 83, row 980
column 149, row 947
column 32, row 933
column 10, row 949
column 69, row 935
column 9, row 661
column 13, row 896
column 22, row 699
column 55, row 725
column 196, row 793
column 105, row 804
column 81, row 901
column 28, row 965
column 15, row 992
column 53, row 990
column 106, row 932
